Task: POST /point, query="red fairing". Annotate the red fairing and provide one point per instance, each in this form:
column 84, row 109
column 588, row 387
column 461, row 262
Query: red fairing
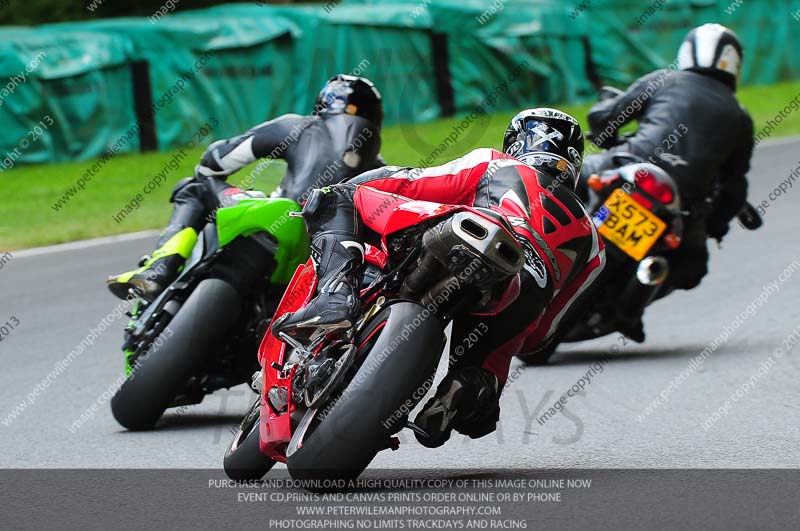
column 275, row 430
column 412, row 213
column 568, row 246
column 297, row 294
column 376, row 206
column 375, row 256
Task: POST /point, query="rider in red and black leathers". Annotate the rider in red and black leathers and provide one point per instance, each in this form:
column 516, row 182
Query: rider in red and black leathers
column 531, row 185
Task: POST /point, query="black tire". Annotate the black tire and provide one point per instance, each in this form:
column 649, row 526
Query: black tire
column 196, row 331
column 357, row 427
column 243, row 459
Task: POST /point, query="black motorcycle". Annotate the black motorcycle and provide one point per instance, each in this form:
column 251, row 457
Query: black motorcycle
column 638, row 212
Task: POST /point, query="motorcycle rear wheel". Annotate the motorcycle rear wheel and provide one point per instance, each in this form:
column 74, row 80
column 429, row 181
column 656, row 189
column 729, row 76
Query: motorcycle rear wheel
column 243, row 459
column 197, row 329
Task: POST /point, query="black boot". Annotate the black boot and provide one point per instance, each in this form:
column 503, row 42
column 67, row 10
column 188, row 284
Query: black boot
column 635, row 332
column 467, row 401
column 175, row 245
column 157, row 271
column 336, row 305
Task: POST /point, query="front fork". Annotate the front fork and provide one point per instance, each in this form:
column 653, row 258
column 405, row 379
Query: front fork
column 129, row 353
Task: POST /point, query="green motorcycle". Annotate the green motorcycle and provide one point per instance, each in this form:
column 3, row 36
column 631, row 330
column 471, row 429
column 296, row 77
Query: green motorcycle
column 202, row 333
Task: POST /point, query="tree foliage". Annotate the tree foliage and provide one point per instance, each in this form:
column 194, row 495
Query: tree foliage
column 29, row 12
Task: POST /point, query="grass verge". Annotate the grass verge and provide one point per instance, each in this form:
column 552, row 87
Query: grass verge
column 28, row 219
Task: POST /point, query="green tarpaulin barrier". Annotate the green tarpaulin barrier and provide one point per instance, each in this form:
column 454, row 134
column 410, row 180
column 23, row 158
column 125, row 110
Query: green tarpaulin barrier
column 204, row 65
column 65, row 95
column 625, row 42
column 487, row 46
column 770, row 30
column 632, row 37
column 383, row 44
column 111, row 83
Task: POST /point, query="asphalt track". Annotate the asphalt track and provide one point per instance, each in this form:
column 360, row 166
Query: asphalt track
column 57, row 296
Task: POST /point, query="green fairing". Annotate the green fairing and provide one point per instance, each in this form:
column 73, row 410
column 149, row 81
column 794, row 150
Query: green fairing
column 270, row 215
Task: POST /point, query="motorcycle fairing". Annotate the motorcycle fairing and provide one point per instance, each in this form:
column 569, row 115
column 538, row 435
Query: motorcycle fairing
column 275, row 427
column 273, row 216
column 275, row 430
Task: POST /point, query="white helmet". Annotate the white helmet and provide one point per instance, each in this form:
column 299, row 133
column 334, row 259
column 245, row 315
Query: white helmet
column 712, row 49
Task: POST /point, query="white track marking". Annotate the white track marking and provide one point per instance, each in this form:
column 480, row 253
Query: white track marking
column 85, row 244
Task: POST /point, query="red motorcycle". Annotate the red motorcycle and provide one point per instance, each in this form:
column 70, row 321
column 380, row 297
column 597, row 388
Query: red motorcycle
column 327, row 408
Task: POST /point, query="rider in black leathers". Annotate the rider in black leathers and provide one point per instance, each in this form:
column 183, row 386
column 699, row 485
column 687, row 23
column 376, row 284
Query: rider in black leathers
column 339, row 140
column 690, row 124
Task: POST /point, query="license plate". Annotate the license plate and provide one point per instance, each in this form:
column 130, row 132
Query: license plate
column 628, row 225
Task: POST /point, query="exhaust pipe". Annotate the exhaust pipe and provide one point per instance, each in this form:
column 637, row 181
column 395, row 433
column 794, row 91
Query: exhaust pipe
column 652, row 271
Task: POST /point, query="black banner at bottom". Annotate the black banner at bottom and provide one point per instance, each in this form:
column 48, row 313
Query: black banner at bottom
column 403, row 499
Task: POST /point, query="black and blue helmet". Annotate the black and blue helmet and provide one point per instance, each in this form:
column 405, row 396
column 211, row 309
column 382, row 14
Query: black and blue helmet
column 346, row 94
column 546, row 139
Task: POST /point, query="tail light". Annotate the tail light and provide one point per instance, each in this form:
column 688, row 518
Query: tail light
column 672, row 240
column 642, row 200
column 660, row 191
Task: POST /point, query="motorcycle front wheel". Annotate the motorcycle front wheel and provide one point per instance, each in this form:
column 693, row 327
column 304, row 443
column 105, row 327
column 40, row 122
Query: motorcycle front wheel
column 360, row 422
